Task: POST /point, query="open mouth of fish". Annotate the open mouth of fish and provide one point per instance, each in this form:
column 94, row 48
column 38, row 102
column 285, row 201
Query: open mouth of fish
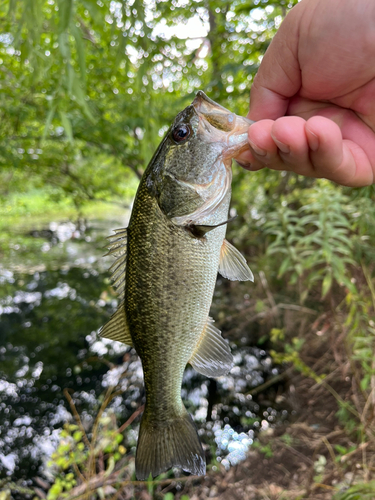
column 217, row 125
column 221, row 125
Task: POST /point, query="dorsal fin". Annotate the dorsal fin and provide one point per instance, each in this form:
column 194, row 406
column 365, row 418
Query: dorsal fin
column 212, row 356
column 118, row 248
column 117, row 327
column 233, row 265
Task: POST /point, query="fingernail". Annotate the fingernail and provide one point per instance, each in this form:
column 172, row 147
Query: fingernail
column 257, row 150
column 244, row 164
column 283, row 147
column 313, row 140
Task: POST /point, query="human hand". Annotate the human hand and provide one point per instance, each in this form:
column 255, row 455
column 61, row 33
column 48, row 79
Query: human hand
column 313, row 98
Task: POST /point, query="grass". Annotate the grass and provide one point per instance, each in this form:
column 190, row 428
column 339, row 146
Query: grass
column 38, row 207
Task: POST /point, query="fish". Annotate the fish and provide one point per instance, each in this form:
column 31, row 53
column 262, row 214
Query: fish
column 165, row 271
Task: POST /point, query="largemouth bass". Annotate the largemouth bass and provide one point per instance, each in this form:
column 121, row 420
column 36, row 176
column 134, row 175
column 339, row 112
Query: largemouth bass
column 165, row 272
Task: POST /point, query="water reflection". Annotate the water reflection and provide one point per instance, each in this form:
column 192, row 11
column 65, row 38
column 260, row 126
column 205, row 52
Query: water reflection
column 231, row 445
column 49, row 318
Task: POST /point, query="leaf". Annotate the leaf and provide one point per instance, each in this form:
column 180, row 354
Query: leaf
column 80, row 97
column 66, row 123
column 65, row 13
column 64, row 45
column 94, row 9
column 80, row 52
column 326, row 285
column 70, row 78
column 110, row 466
column 48, row 122
column 168, row 496
column 25, row 50
column 12, row 7
column 304, row 295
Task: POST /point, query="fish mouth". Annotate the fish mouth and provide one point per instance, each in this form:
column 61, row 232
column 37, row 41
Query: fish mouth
column 221, row 125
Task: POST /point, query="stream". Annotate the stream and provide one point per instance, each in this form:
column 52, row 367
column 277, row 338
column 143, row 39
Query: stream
column 55, row 294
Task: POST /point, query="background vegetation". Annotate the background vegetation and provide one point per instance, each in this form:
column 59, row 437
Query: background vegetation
column 88, row 88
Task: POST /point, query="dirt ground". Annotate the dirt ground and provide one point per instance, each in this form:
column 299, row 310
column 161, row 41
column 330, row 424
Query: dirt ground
column 312, row 458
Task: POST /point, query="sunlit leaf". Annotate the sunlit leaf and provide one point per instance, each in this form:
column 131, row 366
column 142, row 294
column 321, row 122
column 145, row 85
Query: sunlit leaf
column 64, row 45
column 48, row 121
column 65, row 13
column 327, row 283
column 67, row 126
column 76, row 32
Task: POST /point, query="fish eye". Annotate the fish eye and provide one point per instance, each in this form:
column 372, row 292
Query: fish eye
column 181, row 133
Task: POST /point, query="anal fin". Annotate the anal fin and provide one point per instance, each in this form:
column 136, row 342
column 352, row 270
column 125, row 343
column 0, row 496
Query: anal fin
column 233, row 265
column 117, row 327
column 212, row 356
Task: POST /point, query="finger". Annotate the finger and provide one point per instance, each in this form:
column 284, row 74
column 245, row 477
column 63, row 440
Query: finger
column 342, row 161
column 263, row 149
column 280, row 145
column 321, row 119
column 326, row 146
column 259, row 140
column 314, row 148
column 289, row 136
column 356, row 169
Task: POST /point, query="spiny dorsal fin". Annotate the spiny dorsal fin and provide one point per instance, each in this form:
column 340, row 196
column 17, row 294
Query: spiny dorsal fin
column 117, row 327
column 212, row 356
column 118, row 248
column 233, row 265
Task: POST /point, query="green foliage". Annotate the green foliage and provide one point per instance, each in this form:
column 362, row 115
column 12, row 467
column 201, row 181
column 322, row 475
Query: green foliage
column 362, row 491
column 170, row 496
column 291, row 355
column 88, row 88
column 311, row 231
column 76, row 456
column 71, row 449
column 265, row 449
column 361, row 329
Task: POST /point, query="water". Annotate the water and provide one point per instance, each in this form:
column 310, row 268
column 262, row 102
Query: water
column 55, row 295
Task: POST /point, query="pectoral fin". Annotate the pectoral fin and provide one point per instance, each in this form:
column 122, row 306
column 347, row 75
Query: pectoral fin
column 233, row 265
column 200, row 230
column 117, row 327
column 212, row 356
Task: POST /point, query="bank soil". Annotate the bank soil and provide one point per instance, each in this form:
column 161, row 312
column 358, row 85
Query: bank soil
column 318, row 454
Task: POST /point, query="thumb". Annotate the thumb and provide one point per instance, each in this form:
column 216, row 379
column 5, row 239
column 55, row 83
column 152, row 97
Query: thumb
column 279, row 75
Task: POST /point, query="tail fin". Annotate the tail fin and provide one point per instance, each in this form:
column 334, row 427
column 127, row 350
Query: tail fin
column 163, row 445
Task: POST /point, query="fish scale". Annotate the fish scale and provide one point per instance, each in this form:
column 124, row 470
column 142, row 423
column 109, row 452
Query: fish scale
column 166, row 269
column 175, row 301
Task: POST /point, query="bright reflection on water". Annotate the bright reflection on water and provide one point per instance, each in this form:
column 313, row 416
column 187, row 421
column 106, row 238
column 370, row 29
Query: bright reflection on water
column 52, row 303
column 231, row 445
